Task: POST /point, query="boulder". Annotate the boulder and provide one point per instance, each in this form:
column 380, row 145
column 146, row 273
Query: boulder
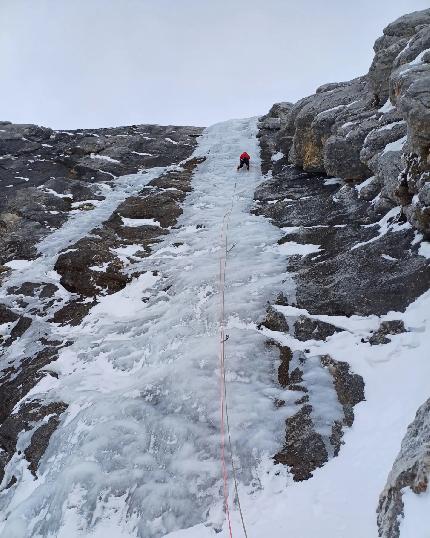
column 390, row 46
column 411, row 470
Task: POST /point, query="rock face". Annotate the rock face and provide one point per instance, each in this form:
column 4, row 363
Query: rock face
column 411, row 469
column 376, row 126
column 326, row 393
column 45, row 178
column 363, row 261
column 348, row 181
column 45, row 175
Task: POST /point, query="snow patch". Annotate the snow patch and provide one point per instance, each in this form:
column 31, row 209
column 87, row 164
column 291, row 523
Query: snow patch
column 104, row 158
column 424, row 249
column 136, row 223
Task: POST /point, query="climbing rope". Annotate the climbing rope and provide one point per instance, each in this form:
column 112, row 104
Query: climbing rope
column 223, row 385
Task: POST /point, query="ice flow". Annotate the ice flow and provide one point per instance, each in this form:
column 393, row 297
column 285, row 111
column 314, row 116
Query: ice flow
column 138, row 451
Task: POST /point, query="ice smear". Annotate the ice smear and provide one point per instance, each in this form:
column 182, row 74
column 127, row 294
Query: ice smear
column 364, row 183
column 291, row 248
column 79, row 225
column 104, row 158
column 386, row 224
column 277, row 156
column 19, row 264
column 143, row 375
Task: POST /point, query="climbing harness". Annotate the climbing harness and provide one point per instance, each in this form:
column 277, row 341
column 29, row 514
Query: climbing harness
column 223, row 386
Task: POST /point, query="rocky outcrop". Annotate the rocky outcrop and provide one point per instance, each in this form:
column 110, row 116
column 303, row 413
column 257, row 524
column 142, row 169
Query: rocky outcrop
column 365, row 264
column 411, row 469
column 395, row 326
column 271, row 143
column 375, row 126
column 46, row 177
column 95, row 265
column 323, row 393
column 348, row 182
column 326, row 393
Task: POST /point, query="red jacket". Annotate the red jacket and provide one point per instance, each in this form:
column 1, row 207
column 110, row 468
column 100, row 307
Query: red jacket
column 245, row 156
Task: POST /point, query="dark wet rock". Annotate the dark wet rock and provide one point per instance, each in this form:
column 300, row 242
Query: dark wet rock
column 308, row 444
column 19, row 328
column 91, row 267
column 395, row 326
column 73, row 312
column 80, row 273
column 349, row 389
column 306, row 200
column 411, row 470
column 32, row 289
column 359, row 282
column 15, row 383
column 43, row 172
column 285, row 356
column 275, row 321
column 306, row 328
column 7, row 315
column 29, row 416
column 41, row 436
column 304, row 450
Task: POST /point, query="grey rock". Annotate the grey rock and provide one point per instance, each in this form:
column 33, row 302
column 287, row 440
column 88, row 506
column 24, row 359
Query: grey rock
column 388, row 47
column 275, row 321
column 304, row 450
column 25, row 419
column 315, row 118
column 307, row 444
column 342, row 159
column 387, row 327
column 36, row 161
column 344, row 278
column 269, row 127
column 7, row 315
column 343, row 130
column 371, row 189
column 388, row 168
column 411, row 469
column 306, row 328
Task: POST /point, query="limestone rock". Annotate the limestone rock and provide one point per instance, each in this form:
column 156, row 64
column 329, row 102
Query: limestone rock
column 389, row 46
column 411, row 469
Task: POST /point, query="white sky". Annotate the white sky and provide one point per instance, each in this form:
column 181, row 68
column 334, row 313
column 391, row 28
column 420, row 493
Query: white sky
column 96, row 63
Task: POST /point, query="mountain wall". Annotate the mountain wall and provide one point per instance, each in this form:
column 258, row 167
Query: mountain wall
column 349, row 170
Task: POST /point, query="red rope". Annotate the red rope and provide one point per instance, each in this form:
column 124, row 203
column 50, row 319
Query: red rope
column 222, row 373
column 223, row 386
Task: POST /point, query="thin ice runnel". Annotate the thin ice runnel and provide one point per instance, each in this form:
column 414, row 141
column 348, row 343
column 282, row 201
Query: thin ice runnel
column 143, row 378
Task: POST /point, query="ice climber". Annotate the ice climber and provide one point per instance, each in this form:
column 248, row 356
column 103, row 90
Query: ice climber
column 244, row 160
